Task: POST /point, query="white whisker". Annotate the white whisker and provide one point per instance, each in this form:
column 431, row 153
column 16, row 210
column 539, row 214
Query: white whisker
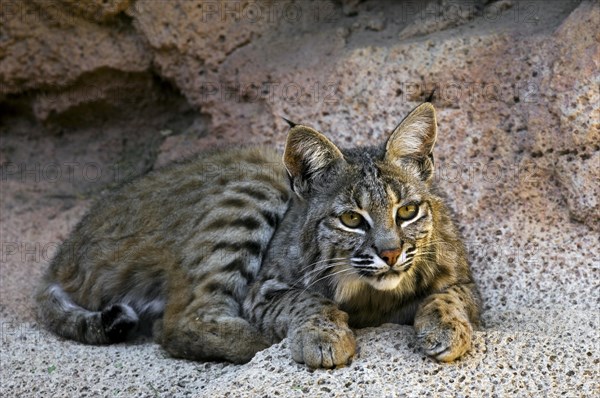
column 302, row 278
column 327, row 276
column 321, row 261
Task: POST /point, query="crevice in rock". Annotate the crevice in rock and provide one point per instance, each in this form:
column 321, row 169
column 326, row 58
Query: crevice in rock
column 96, row 141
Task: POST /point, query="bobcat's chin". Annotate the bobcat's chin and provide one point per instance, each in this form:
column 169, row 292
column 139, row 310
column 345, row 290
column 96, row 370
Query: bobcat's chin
column 384, row 282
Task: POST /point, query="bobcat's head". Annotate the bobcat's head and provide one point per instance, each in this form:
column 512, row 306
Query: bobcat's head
column 370, row 210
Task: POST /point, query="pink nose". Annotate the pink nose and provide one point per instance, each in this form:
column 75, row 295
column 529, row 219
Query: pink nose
column 390, row 256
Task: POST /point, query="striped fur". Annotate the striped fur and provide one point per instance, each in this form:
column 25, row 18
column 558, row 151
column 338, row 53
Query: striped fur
column 221, row 256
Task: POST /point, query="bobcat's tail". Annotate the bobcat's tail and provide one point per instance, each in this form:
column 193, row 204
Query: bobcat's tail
column 60, row 314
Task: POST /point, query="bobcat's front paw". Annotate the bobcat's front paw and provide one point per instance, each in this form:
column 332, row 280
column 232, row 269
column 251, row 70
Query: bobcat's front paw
column 323, row 342
column 444, row 339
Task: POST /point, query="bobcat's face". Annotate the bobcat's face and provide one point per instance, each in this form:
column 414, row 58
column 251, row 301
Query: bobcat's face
column 369, row 209
column 376, row 225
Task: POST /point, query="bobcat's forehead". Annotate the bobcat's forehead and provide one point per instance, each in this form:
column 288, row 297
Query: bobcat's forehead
column 379, row 193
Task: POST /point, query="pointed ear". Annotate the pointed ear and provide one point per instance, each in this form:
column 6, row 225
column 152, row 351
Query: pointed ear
column 308, row 155
column 411, row 144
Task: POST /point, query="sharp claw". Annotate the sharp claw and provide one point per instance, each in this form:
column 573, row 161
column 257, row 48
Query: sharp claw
column 434, row 346
column 437, row 350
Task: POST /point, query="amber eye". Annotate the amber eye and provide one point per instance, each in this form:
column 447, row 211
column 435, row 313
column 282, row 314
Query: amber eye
column 408, row 212
column 351, row 219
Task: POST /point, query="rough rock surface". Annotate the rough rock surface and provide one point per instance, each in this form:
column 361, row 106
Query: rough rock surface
column 94, row 91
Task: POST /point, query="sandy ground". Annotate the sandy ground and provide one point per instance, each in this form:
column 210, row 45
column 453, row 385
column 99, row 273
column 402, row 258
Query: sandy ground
column 538, row 274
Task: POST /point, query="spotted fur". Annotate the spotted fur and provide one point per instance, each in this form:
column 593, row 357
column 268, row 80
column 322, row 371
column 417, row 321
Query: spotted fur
column 222, row 256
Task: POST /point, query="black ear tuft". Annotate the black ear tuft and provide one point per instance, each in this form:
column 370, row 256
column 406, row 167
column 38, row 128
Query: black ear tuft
column 292, row 124
column 430, row 96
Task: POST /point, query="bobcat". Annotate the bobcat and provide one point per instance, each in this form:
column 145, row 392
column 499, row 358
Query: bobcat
column 221, row 256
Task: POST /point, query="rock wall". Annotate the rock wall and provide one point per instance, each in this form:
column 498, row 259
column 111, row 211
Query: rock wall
column 516, row 82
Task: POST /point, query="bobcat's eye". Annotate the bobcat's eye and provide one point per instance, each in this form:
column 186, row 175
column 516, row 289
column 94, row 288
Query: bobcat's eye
column 408, row 212
column 351, row 219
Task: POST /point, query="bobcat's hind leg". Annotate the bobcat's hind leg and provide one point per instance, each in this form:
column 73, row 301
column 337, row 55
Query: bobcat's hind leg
column 208, row 327
column 225, row 338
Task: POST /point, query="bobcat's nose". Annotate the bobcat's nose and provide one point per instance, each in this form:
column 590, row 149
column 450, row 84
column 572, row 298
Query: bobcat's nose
column 390, row 256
